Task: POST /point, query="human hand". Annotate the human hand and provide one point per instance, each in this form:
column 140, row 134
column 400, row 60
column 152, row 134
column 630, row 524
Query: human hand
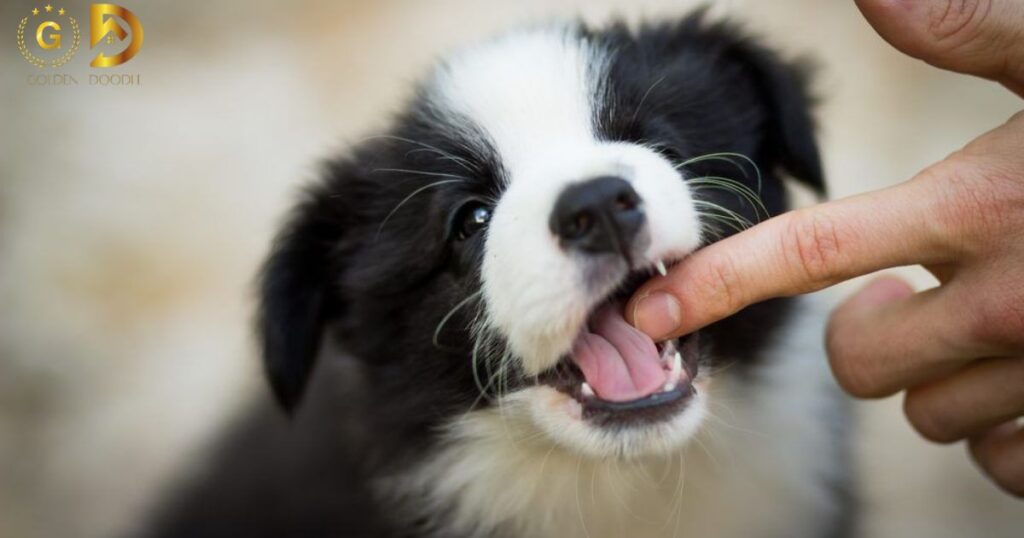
column 958, row 349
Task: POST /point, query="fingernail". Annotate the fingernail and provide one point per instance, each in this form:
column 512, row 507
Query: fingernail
column 658, row 315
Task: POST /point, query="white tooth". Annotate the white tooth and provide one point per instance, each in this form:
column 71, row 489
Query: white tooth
column 660, row 266
column 669, row 385
column 586, row 390
column 677, row 366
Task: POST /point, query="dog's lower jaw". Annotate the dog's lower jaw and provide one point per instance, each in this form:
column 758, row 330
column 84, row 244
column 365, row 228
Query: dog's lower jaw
column 763, row 463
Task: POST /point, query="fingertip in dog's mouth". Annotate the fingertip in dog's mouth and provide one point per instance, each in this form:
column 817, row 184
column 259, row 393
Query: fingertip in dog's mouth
column 619, row 375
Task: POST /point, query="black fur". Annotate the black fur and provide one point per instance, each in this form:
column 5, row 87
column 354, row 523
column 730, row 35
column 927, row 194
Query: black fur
column 376, row 281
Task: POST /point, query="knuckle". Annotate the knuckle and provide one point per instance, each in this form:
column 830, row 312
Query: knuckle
column 975, row 202
column 998, row 323
column 813, row 246
column 721, row 283
column 932, row 422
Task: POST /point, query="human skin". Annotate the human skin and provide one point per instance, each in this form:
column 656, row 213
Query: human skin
column 956, row 350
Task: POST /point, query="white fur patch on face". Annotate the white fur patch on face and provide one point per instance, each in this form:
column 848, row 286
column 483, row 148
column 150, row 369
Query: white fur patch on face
column 534, row 95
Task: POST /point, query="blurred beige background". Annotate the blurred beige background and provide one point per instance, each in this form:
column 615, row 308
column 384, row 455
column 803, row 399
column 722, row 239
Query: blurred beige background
column 132, row 219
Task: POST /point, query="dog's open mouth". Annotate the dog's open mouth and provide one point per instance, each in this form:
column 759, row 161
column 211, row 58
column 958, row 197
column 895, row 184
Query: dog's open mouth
column 619, row 375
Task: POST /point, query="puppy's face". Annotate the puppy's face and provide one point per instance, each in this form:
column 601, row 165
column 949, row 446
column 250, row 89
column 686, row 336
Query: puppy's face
column 480, row 254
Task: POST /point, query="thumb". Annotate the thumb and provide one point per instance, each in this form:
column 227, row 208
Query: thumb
column 977, row 37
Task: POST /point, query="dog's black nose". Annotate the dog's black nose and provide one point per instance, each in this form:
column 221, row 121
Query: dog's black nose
column 603, row 214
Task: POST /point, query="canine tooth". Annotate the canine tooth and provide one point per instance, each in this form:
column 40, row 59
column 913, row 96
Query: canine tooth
column 660, row 266
column 669, row 385
column 677, row 366
column 586, row 390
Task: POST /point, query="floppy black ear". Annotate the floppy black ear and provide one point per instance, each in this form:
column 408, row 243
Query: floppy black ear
column 297, row 297
column 791, row 143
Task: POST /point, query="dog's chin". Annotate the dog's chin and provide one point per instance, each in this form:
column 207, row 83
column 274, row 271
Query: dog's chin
column 629, row 434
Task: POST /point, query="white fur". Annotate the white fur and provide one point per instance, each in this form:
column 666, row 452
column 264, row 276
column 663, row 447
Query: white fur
column 758, row 467
column 533, row 96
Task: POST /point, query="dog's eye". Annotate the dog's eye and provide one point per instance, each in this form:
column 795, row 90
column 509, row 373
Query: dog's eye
column 472, row 218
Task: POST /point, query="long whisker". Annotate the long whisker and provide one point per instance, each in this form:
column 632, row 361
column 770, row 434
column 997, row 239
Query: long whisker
column 731, row 185
column 481, row 387
column 726, row 156
column 678, row 504
column 448, row 316
column 421, row 173
column 468, row 166
column 475, row 364
column 712, row 226
column 544, row 463
column 504, row 364
column 636, row 111
column 621, row 498
column 723, row 213
column 715, row 223
column 657, row 147
column 579, row 505
column 725, row 423
column 407, row 198
column 481, row 340
column 711, row 455
column 757, row 212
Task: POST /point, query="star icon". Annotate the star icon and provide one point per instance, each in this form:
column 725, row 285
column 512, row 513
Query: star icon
column 35, row 11
column 60, row 11
column 48, row 8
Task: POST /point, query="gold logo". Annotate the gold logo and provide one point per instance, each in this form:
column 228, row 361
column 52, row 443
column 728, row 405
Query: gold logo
column 49, row 37
column 104, row 25
column 57, row 35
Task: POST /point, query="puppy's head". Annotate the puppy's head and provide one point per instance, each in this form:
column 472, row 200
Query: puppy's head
column 480, row 253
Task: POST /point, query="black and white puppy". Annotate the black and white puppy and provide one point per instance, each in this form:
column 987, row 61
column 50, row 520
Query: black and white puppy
column 459, row 285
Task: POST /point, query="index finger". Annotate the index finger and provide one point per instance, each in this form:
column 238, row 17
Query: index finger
column 797, row 252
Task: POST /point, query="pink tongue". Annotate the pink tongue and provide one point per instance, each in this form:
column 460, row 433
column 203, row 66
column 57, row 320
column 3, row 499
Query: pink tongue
column 619, row 362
